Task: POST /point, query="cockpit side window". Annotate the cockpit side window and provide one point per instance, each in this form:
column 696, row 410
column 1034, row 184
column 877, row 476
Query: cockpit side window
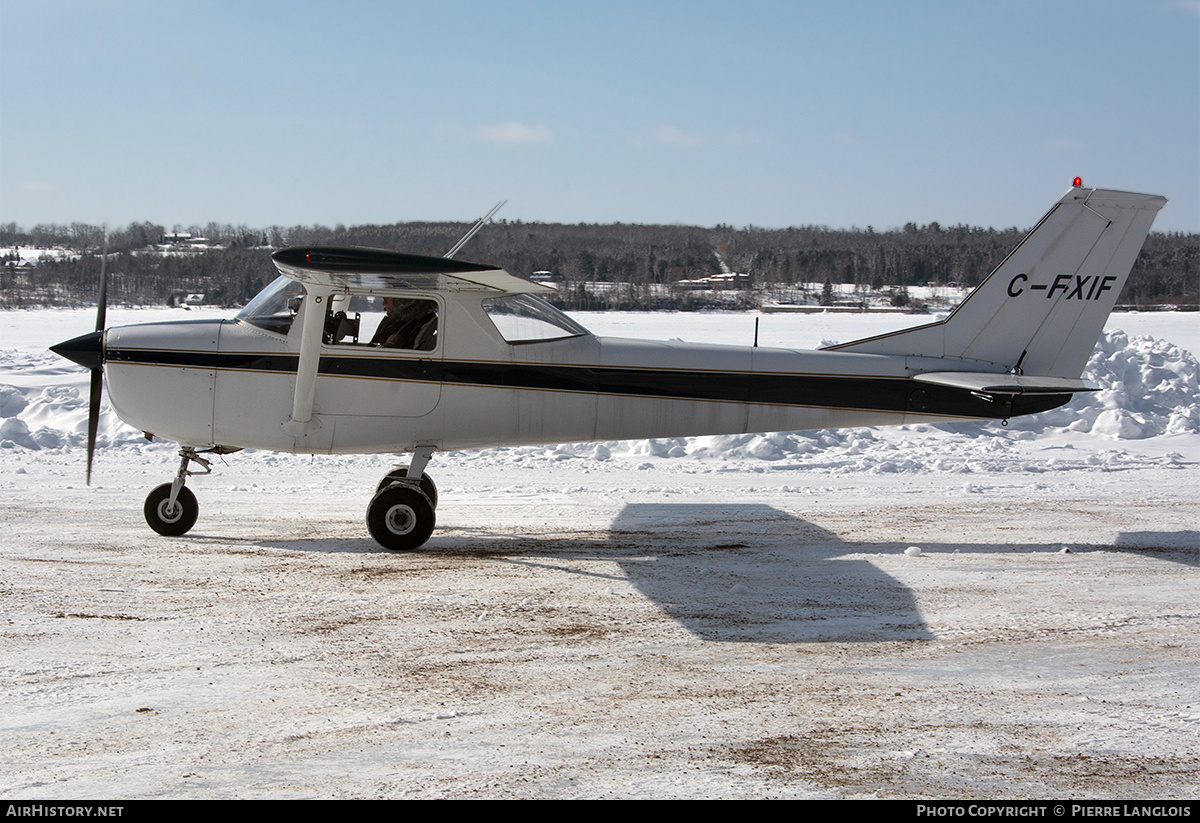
column 274, row 308
column 400, row 322
column 408, row 323
column 526, row 318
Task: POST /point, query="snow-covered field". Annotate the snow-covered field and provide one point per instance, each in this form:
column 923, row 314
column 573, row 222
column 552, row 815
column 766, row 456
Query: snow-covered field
column 965, row 610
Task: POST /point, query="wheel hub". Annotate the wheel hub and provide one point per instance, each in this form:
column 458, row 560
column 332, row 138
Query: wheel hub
column 400, row 519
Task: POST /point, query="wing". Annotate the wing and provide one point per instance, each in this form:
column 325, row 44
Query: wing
column 382, row 270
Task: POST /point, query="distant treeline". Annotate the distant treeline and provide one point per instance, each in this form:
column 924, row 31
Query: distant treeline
column 646, row 260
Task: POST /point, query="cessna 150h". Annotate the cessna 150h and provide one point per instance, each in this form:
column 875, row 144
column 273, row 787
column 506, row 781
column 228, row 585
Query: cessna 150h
column 470, row 356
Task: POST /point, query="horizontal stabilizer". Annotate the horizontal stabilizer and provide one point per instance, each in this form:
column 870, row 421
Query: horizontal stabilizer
column 1005, row 383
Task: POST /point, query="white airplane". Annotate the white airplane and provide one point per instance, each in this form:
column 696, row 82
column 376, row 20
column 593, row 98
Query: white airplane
column 470, row 357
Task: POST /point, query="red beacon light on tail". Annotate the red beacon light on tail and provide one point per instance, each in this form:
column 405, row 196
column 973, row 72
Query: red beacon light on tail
column 1077, row 182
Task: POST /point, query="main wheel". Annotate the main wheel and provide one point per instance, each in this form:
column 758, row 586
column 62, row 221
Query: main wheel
column 400, row 474
column 167, row 520
column 400, row 518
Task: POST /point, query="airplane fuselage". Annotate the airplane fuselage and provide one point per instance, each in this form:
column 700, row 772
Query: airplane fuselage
column 230, row 383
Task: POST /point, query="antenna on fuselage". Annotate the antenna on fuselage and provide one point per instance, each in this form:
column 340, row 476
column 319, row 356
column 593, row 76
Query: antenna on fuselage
column 471, row 232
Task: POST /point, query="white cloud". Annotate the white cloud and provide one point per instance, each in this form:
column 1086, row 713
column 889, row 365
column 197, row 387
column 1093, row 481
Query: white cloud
column 674, row 136
column 37, row 187
column 514, row 133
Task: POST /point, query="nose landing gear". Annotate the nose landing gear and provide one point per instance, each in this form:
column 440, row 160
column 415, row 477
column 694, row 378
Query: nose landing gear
column 171, row 509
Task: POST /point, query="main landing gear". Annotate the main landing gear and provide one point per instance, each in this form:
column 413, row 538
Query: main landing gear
column 401, row 516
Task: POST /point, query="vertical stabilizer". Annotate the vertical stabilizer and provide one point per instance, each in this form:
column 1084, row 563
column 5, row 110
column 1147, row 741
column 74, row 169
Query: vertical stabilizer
column 1043, row 308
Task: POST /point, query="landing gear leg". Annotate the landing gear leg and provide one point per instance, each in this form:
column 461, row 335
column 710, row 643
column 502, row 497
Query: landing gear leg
column 401, row 516
column 171, row 509
column 416, row 468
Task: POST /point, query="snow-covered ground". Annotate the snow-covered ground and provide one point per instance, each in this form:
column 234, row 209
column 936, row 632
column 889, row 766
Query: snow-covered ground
column 964, row 610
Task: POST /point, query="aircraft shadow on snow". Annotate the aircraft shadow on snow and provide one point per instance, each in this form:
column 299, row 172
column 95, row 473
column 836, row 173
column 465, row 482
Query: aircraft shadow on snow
column 729, row 572
column 746, row 571
column 1181, row 546
column 751, row 572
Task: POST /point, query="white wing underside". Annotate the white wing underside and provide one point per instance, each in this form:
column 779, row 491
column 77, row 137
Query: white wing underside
column 494, row 280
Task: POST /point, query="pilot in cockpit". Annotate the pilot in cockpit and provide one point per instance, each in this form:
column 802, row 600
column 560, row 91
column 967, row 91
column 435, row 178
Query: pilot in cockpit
column 409, row 324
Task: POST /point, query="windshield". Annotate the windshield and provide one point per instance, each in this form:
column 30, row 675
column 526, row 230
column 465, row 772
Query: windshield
column 526, row 318
column 274, row 308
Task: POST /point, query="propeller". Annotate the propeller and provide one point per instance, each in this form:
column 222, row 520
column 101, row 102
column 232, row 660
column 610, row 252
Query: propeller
column 88, row 351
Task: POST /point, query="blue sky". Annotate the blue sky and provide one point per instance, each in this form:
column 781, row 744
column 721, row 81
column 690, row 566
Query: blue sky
column 764, row 113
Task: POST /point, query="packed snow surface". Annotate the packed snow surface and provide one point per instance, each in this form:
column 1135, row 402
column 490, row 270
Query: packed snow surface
column 963, row 609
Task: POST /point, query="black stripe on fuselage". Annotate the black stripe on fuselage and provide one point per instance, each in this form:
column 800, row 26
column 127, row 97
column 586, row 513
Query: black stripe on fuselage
column 890, row 394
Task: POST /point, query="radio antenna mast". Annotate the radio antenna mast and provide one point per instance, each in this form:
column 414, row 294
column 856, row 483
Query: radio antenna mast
column 471, row 232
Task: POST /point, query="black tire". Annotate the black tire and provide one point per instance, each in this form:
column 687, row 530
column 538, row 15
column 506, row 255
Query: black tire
column 400, row 518
column 427, row 485
column 171, row 523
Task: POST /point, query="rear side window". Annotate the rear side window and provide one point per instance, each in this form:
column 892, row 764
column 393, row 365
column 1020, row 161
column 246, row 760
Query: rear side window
column 525, row 318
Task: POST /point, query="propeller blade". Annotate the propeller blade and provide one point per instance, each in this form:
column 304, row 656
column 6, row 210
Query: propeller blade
column 93, row 418
column 102, row 301
column 97, row 372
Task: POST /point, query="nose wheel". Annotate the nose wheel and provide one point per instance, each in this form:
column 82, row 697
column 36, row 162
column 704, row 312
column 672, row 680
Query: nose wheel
column 171, row 519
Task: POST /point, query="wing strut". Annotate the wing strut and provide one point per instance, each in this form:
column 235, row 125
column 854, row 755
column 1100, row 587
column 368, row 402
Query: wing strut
column 302, row 421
